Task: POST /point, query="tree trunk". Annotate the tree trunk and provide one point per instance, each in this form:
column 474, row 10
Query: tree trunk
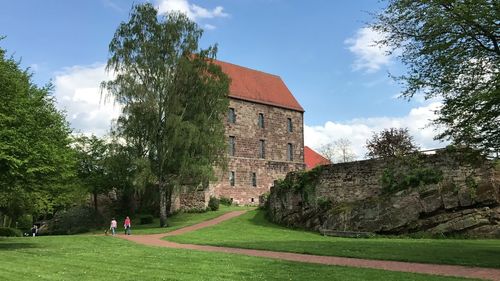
column 163, row 203
column 95, row 201
column 169, row 200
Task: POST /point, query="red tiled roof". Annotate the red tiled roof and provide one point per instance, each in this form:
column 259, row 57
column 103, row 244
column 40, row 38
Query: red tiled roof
column 313, row 159
column 252, row 85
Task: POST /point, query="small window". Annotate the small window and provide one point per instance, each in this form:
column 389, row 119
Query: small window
column 231, row 117
column 252, row 200
column 232, row 146
column 262, row 149
column 254, row 179
column 231, row 178
column 290, row 152
column 261, row 120
column 290, row 125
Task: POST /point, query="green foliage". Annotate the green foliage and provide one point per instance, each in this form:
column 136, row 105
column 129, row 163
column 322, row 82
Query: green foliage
column 174, row 98
column 225, row 201
column 391, row 142
column 408, row 172
column 92, row 171
column 452, row 51
column 76, row 220
column 472, row 185
column 196, row 210
column 146, row 219
column 25, row 222
column 213, row 203
column 324, row 203
column 303, row 182
column 10, row 232
column 37, row 165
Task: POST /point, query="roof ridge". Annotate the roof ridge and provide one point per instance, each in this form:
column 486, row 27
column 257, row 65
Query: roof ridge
column 256, row 70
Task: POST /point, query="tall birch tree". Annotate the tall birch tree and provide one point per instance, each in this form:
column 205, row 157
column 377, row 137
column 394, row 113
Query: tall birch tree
column 174, row 98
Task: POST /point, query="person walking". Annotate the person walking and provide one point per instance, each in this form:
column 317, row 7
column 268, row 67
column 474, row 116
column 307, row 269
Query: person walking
column 34, row 230
column 127, row 225
column 113, row 226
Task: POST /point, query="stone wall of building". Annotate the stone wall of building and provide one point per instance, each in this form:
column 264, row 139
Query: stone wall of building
column 189, row 199
column 247, row 134
column 349, row 197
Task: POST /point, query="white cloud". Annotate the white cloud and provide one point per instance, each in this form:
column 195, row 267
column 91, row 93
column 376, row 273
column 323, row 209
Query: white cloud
column 370, row 57
column 193, row 11
column 209, row 26
column 77, row 92
column 359, row 130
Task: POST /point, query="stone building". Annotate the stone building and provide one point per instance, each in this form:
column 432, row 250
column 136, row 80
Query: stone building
column 265, row 134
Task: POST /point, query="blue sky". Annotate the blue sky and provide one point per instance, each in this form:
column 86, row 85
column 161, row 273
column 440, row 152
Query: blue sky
column 321, row 49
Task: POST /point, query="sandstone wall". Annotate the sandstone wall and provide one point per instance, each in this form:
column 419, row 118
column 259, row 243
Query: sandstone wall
column 348, row 197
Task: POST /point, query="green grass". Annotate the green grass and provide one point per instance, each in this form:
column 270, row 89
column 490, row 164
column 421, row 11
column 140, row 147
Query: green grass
column 253, row 231
column 176, row 221
column 109, row 258
column 181, row 220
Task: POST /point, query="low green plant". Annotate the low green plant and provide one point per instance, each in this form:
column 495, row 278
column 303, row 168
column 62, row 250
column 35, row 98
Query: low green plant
column 25, row 222
column 324, row 203
column 213, row 203
column 76, row 220
column 146, row 219
column 472, row 185
column 409, row 171
column 225, row 201
column 303, row 182
column 195, row 210
column 10, row 232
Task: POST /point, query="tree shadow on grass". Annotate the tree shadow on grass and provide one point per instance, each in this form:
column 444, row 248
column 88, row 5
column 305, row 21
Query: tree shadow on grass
column 8, row 245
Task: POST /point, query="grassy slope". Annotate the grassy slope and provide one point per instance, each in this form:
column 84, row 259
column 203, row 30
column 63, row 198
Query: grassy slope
column 109, row 258
column 253, row 231
column 175, row 222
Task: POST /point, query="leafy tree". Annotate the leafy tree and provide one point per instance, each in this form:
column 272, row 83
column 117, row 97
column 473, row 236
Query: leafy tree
column 92, row 169
column 338, row 151
column 390, row 142
column 174, row 98
column 451, row 49
column 36, row 162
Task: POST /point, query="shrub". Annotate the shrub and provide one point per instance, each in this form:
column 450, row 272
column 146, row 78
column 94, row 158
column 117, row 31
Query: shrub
column 146, row 219
column 10, row 232
column 225, row 201
column 79, row 219
column 25, row 222
column 213, row 203
column 324, row 203
column 195, row 210
column 397, row 179
column 264, row 201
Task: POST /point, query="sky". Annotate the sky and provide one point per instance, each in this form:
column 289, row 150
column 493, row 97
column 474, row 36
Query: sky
column 323, row 50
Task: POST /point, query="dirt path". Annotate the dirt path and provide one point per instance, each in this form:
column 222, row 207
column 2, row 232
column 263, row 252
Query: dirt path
column 434, row 269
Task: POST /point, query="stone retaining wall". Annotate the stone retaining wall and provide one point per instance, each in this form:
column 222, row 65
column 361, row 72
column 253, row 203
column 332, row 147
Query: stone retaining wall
column 350, row 197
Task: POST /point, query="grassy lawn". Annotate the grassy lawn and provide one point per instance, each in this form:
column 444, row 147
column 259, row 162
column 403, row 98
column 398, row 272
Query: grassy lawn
column 177, row 221
column 253, row 231
column 109, row 258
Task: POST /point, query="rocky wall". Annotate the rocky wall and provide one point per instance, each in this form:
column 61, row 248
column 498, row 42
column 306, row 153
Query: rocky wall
column 350, row 197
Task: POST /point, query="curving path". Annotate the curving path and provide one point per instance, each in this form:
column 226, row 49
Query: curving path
column 434, row 269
